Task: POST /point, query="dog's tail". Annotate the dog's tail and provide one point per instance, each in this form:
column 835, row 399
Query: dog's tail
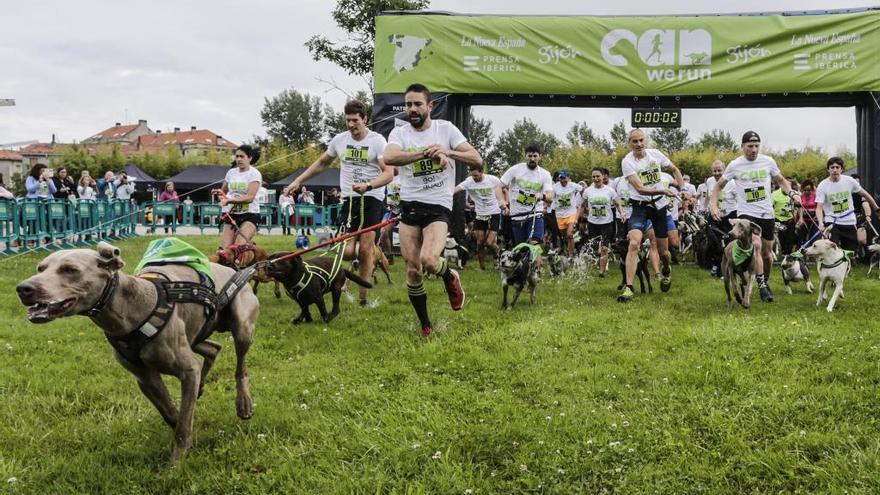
column 357, row 279
column 874, row 248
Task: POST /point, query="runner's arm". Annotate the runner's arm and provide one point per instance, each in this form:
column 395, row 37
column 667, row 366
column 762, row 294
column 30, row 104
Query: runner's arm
column 466, row 154
column 640, row 188
column 314, row 169
column 395, row 157
column 713, row 198
column 499, row 195
column 866, row 198
column 252, row 190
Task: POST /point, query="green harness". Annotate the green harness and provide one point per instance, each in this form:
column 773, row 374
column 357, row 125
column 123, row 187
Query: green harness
column 741, row 256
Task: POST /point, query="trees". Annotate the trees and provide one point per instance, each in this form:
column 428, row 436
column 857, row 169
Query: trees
column 510, row 147
column 581, row 135
column 619, row 135
column 716, row 139
column 295, row 119
column 480, row 135
column 356, row 17
column 670, row 139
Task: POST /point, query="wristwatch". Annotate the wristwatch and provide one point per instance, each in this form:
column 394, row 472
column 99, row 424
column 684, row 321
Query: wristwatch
column 369, row 186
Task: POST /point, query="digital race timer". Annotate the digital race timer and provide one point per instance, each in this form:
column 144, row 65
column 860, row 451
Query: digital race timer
column 656, row 117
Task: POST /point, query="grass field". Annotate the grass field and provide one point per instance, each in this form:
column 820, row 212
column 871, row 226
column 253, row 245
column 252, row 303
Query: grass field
column 670, row 394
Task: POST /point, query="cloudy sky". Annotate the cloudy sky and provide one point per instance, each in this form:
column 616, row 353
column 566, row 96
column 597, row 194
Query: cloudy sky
column 76, row 68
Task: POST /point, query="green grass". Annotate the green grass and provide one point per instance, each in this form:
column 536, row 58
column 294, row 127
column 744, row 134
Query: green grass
column 672, row 393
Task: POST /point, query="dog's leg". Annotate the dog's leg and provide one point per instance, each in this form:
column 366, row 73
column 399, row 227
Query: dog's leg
column 517, row 292
column 277, row 290
column 209, row 351
column 256, row 286
column 727, row 291
column 334, row 311
column 304, row 315
column 189, row 371
column 822, row 282
column 322, row 307
column 838, row 292
column 747, row 295
column 384, row 268
column 504, row 288
column 152, row 386
column 243, row 335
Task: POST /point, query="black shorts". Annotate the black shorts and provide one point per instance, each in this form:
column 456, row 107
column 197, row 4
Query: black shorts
column 421, row 215
column 768, row 225
column 490, row 222
column 642, row 212
column 845, row 236
column 604, row 231
column 241, row 218
column 373, row 209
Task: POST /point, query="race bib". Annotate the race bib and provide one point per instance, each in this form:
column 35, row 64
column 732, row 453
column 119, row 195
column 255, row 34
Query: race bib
column 598, row 211
column 357, row 155
column 240, row 207
column 564, row 200
column 425, row 166
column 840, row 206
column 649, row 177
column 483, row 218
column 524, row 199
column 755, row 194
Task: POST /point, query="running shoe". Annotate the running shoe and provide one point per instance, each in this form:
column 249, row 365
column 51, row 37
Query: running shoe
column 715, row 272
column 766, row 293
column 625, row 296
column 426, row 330
column 665, row 280
column 455, row 291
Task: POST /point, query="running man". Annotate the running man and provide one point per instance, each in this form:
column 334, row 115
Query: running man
column 425, row 152
column 566, row 200
column 485, row 191
column 753, row 173
column 524, row 185
column 642, row 168
column 727, row 204
column 362, row 175
column 834, row 204
column 600, row 202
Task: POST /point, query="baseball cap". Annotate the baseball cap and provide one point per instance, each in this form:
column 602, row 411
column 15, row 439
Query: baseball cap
column 751, row 136
column 564, row 173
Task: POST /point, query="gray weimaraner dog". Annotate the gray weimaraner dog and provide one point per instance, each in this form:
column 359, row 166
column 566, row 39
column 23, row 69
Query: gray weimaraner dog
column 739, row 262
column 82, row 281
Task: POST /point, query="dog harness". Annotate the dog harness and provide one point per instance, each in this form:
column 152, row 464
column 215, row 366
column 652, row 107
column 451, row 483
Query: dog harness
column 741, row 256
column 169, row 293
column 843, row 259
column 312, row 271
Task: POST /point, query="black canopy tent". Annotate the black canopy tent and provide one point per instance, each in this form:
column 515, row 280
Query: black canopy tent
column 206, row 177
column 324, row 181
column 142, row 180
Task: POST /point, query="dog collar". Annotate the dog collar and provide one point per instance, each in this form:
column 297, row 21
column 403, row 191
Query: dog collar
column 837, row 263
column 109, row 288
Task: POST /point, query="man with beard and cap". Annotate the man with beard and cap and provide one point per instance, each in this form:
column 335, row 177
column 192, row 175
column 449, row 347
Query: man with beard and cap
column 426, row 152
column 525, row 185
column 642, row 168
column 753, row 173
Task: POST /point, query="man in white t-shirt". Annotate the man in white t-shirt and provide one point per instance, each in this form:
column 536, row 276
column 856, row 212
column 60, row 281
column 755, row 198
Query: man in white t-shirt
column 642, row 168
column 238, row 198
column 425, row 152
column 688, row 194
column 526, row 186
column 753, row 173
column 485, row 191
column 727, row 204
column 835, row 211
column 362, row 173
column 566, row 202
column 599, row 204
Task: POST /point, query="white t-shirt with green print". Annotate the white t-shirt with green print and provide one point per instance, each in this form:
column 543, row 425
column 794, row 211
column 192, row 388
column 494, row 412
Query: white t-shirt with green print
column 648, row 169
column 599, row 203
column 753, row 185
column 483, row 194
column 358, row 161
column 522, row 183
column 836, row 199
column 566, row 199
column 237, row 183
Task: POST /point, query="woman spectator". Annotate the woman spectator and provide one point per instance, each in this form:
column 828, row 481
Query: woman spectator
column 287, row 205
column 5, row 193
column 65, row 187
column 169, row 195
column 807, row 221
column 306, row 197
column 39, row 183
column 86, row 187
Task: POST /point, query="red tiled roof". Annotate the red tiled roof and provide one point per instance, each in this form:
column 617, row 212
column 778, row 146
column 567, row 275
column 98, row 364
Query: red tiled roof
column 38, row 149
column 115, row 132
column 10, row 155
column 202, row 137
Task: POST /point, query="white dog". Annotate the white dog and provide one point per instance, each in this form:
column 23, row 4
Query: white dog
column 874, row 249
column 833, row 266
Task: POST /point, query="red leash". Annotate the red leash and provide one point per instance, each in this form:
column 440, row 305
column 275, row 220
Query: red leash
column 336, row 240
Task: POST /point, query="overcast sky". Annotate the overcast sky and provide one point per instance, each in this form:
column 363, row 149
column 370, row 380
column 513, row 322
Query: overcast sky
column 76, row 68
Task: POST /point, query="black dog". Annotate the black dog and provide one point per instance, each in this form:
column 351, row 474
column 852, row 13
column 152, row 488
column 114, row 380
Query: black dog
column 621, row 247
column 519, row 270
column 306, row 282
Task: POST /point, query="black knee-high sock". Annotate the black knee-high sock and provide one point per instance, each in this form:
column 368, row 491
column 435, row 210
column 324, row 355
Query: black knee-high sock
column 443, row 270
column 418, row 297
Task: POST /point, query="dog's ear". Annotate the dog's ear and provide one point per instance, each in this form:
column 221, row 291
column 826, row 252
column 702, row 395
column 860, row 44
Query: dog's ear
column 756, row 229
column 108, row 257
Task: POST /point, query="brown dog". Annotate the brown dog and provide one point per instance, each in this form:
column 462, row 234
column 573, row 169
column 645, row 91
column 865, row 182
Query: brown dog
column 306, row 282
column 380, row 262
column 740, row 267
column 238, row 256
column 85, row 282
